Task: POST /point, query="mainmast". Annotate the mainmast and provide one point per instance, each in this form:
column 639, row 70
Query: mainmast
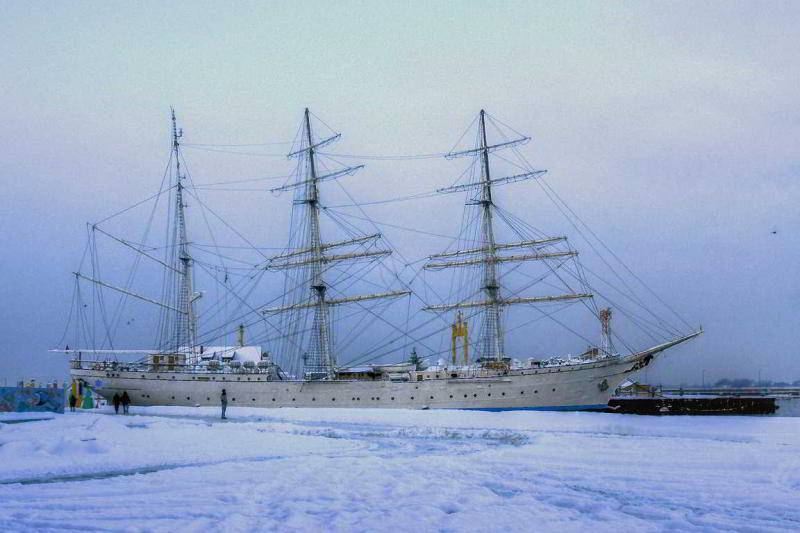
column 486, row 255
column 320, row 360
column 321, row 354
column 186, row 322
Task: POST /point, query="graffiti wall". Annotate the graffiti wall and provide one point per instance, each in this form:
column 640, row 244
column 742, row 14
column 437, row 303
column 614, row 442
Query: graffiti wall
column 30, row 399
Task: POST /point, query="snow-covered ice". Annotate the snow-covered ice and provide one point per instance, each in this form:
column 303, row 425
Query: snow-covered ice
column 182, row 469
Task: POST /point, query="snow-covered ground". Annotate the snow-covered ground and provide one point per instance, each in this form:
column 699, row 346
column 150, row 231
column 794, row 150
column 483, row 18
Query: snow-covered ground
column 182, row 469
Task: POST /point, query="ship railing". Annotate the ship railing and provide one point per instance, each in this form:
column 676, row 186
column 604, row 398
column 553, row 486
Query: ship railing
column 115, row 366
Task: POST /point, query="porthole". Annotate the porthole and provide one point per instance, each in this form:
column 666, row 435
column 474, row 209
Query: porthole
column 392, row 397
column 292, row 399
column 412, row 397
column 372, row 397
column 554, row 390
column 254, row 399
column 313, row 399
column 431, row 397
column 502, row 394
column 358, row 398
column 173, row 397
column 378, row 398
column 522, row 392
column 536, row 392
column 333, row 399
column 353, row 399
column 273, row 399
column 188, row 398
column 465, row 396
column 208, row 399
column 451, row 395
column 234, row 399
column 474, row 395
column 489, row 394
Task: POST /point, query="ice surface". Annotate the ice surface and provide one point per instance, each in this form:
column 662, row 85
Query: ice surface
column 182, row 469
column 14, row 416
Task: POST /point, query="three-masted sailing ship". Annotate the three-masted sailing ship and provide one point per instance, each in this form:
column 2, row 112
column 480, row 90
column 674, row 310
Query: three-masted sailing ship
column 188, row 368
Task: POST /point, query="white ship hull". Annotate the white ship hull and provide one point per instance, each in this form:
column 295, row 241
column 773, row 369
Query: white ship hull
column 187, row 371
column 579, row 386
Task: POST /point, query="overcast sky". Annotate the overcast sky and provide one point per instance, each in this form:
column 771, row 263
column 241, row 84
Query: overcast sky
column 671, row 127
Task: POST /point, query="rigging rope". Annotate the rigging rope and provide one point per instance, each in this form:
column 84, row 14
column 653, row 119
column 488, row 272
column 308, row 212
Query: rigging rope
column 276, row 143
column 374, row 157
column 235, row 152
column 390, row 225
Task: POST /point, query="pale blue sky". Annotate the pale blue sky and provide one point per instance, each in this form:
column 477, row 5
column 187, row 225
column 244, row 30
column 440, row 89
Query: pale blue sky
column 670, row 127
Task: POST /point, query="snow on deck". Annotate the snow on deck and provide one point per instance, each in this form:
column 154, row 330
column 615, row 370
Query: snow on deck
column 170, row 468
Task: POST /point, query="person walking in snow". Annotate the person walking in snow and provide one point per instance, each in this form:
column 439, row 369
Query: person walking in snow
column 72, row 402
column 117, row 400
column 223, row 400
column 126, row 401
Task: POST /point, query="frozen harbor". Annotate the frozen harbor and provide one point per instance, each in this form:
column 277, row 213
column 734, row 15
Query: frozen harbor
column 170, row 469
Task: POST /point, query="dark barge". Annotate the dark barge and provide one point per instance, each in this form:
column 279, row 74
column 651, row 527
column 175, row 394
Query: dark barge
column 697, row 405
column 641, row 399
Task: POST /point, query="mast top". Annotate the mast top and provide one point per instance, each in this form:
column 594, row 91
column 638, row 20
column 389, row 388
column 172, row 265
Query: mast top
column 176, row 133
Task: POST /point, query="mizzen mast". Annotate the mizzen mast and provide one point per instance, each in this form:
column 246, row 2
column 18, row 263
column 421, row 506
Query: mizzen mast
column 186, row 320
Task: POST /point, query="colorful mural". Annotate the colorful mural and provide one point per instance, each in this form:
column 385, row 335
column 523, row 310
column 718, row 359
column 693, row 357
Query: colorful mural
column 31, row 399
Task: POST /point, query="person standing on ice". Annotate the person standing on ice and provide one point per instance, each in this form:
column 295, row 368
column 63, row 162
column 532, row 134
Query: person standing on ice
column 116, row 403
column 223, row 400
column 126, row 401
column 72, row 402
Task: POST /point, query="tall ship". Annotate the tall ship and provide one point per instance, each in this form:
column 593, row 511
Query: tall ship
column 333, row 323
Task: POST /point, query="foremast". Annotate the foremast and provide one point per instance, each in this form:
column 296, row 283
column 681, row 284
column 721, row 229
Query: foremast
column 486, row 254
column 320, row 360
column 493, row 338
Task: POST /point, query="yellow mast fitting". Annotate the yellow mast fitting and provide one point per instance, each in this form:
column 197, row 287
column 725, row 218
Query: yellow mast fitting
column 460, row 330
